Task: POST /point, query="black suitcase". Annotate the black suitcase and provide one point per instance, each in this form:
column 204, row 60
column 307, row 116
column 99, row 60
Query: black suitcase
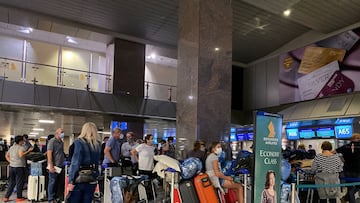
column 188, row 192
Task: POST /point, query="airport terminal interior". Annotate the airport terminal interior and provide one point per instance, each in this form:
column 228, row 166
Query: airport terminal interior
column 272, row 82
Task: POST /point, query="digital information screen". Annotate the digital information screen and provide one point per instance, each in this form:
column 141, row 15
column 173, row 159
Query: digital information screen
column 343, row 131
column 250, row 136
column 306, row 133
column 327, row 132
column 241, row 137
column 292, row 134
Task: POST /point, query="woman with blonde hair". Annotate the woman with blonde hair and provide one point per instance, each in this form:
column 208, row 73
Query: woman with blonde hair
column 83, row 170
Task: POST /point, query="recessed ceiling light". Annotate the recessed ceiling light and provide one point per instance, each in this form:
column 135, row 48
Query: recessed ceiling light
column 27, row 30
column 46, row 121
column 71, row 40
column 33, row 133
column 217, row 48
column 153, row 55
column 287, row 12
column 191, row 97
column 38, row 129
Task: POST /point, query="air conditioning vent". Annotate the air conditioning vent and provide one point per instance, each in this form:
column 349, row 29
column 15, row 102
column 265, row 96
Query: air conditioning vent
column 337, row 104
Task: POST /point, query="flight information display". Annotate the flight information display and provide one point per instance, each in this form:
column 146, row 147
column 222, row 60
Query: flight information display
column 326, row 132
column 306, row 133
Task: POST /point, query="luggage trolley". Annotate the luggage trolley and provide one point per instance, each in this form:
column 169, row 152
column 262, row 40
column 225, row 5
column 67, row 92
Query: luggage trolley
column 109, row 172
column 4, row 175
column 306, row 177
column 246, row 181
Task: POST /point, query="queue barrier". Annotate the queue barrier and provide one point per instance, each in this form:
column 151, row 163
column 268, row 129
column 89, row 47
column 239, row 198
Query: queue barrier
column 312, row 186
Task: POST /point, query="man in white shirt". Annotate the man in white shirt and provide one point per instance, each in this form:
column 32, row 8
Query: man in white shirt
column 127, row 158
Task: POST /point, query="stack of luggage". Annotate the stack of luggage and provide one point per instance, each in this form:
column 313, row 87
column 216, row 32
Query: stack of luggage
column 36, row 181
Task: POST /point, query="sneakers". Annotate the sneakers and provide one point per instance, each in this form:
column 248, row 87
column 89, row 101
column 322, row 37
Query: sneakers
column 20, row 199
column 6, row 199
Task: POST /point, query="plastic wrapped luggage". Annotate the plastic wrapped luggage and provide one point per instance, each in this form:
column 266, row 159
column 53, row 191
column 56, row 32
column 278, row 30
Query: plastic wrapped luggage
column 36, row 169
column 36, row 188
column 116, row 186
column 204, row 189
column 188, row 192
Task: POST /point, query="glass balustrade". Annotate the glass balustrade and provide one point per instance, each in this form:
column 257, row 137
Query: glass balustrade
column 158, row 91
column 42, row 74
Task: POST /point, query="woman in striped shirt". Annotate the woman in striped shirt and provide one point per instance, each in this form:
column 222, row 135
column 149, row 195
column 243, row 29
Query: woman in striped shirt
column 327, row 166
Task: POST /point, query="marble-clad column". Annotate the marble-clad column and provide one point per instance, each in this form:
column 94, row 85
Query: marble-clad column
column 204, row 70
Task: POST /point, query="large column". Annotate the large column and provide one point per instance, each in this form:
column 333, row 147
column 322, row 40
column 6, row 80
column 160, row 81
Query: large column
column 204, row 70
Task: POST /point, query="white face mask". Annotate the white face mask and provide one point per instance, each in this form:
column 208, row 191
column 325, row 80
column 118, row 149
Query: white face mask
column 202, row 149
column 218, row 151
column 121, row 136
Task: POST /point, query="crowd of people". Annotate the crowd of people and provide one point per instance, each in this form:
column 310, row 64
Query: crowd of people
column 87, row 153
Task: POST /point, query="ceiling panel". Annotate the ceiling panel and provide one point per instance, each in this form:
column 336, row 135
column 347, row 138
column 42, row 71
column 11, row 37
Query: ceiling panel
column 258, row 24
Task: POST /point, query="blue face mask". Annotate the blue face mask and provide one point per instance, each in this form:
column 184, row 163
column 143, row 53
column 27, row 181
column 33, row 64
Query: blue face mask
column 62, row 135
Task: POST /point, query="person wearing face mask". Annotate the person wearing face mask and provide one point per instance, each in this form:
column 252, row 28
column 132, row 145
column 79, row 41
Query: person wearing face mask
column 126, row 148
column 218, row 179
column 144, row 154
column 112, row 148
column 55, row 158
column 197, row 152
column 351, row 156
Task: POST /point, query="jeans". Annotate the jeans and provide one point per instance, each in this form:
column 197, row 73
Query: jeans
column 82, row 192
column 17, row 177
column 56, row 186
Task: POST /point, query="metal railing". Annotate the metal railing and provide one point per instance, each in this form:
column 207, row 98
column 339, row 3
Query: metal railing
column 50, row 75
column 159, row 91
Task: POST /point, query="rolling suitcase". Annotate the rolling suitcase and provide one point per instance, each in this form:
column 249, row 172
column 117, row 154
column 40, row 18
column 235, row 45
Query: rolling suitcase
column 36, row 188
column 205, row 190
column 187, row 192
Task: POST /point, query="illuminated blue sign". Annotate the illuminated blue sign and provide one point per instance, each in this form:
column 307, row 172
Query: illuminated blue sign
column 295, row 124
column 292, row 134
column 306, row 133
column 117, row 124
column 343, row 131
column 241, row 136
column 325, row 132
column 344, row 121
column 233, row 137
column 250, row 136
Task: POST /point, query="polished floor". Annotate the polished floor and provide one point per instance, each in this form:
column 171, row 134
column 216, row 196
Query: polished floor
column 160, row 197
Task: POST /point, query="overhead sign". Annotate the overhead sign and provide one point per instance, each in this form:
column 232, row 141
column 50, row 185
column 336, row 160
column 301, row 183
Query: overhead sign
column 267, row 142
column 343, row 131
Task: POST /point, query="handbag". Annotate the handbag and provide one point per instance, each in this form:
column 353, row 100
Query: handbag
column 86, row 174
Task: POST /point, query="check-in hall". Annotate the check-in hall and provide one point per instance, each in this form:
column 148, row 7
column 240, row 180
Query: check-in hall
column 151, row 101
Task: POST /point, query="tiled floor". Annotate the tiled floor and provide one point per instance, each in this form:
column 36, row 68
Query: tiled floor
column 159, row 199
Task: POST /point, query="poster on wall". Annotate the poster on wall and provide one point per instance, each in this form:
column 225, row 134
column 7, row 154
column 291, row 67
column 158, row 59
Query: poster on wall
column 267, row 151
column 326, row 68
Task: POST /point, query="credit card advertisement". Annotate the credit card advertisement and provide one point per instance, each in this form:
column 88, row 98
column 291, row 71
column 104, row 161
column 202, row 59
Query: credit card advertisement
column 326, row 68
